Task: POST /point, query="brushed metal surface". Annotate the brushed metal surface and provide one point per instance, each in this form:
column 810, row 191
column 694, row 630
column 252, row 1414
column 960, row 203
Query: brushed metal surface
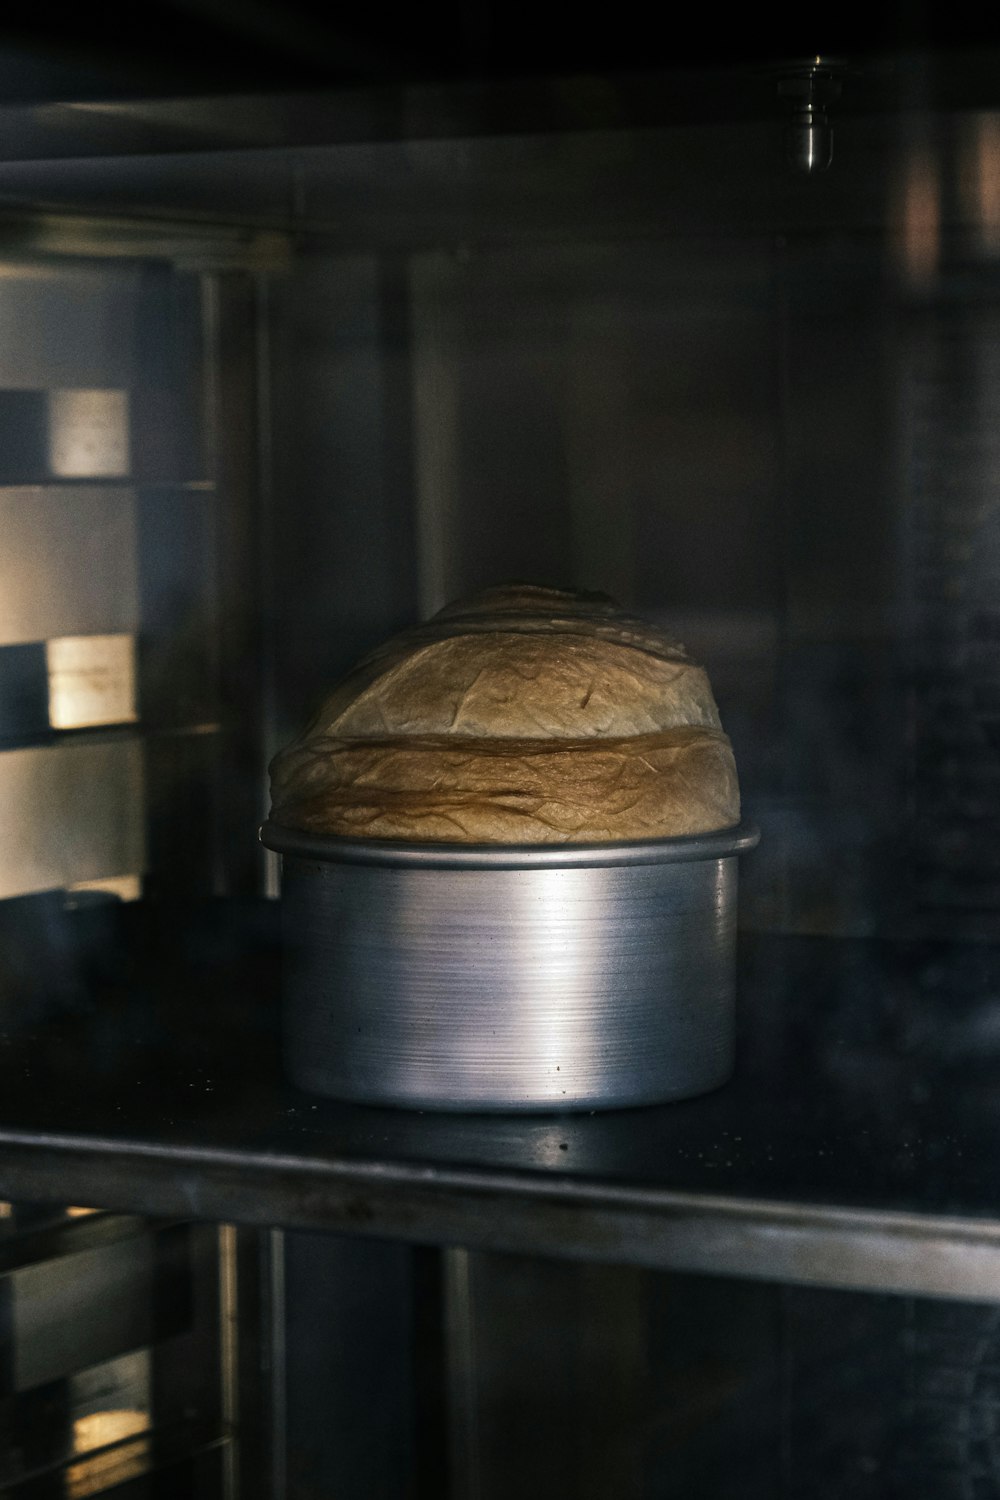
column 70, row 813
column 433, row 980
column 314, row 846
column 69, row 562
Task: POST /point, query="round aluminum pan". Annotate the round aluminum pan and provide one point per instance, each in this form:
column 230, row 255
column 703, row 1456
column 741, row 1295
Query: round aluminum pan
column 509, row 978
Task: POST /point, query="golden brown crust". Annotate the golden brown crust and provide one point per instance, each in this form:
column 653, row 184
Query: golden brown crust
column 497, row 791
column 507, row 685
column 523, row 715
column 520, row 662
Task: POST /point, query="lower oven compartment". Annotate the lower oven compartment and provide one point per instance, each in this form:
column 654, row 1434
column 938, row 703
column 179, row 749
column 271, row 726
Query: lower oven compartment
column 113, row 1365
column 402, row 1371
column 597, row 1380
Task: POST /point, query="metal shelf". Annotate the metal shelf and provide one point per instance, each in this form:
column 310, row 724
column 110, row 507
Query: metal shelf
column 857, row 1146
column 110, row 482
column 68, row 1236
column 94, row 734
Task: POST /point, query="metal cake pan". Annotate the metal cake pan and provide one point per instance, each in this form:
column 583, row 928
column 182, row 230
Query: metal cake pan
column 544, row 977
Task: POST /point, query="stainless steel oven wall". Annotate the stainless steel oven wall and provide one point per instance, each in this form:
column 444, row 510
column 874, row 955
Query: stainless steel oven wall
column 129, row 701
column 73, row 805
column 105, row 573
column 129, row 774
column 342, row 539
column 754, row 405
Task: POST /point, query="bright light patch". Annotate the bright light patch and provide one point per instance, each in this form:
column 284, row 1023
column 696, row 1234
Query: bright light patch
column 91, row 680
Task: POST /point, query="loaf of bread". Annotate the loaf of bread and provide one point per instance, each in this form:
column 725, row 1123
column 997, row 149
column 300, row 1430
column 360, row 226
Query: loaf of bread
column 524, row 715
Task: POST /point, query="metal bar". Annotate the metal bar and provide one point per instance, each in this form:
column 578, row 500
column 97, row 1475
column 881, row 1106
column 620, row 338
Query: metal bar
column 209, row 300
column 434, row 427
column 275, row 1332
column 229, row 1337
column 232, row 396
column 267, row 585
column 815, row 1245
column 462, row 1372
column 71, row 1238
column 105, row 734
column 191, row 242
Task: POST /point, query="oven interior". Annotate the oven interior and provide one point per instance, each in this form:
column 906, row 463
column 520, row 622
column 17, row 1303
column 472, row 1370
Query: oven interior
column 280, row 375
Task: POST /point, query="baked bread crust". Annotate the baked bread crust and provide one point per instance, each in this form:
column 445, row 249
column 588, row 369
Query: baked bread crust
column 435, row 789
column 522, row 716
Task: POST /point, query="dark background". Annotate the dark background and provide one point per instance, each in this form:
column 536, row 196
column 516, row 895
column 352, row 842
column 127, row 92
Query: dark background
column 177, row 46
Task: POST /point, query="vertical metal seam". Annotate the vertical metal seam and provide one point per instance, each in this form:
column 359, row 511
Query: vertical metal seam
column 210, row 395
column 276, row 1341
column 433, row 408
column 786, row 1387
column 463, row 1396
column 267, row 729
column 229, row 1351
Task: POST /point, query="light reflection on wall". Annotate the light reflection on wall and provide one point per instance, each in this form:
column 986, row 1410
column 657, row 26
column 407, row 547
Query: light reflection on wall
column 111, row 1423
column 110, row 1465
column 91, row 680
column 980, row 179
column 920, row 216
column 102, row 1428
column 123, row 887
column 88, row 433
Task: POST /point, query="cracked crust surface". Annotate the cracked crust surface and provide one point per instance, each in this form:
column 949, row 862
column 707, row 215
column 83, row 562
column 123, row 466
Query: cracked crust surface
column 523, row 715
column 429, row 789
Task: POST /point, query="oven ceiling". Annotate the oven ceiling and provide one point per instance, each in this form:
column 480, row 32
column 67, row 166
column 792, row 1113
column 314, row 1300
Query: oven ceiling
column 122, row 49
